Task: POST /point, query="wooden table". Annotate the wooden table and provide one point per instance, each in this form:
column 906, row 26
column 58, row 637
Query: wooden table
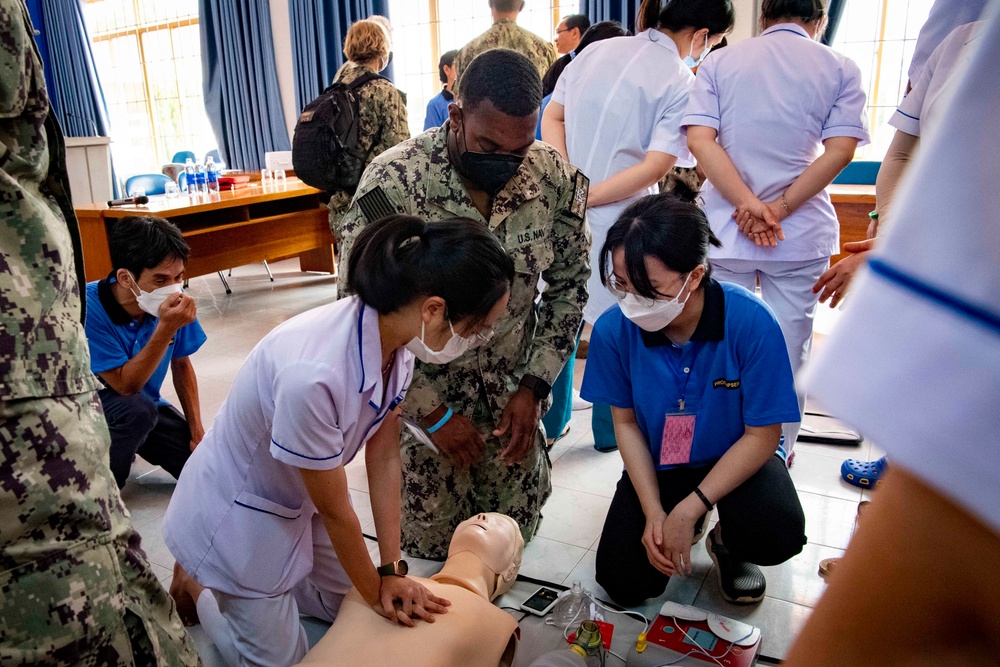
column 853, row 203
column 227, row 229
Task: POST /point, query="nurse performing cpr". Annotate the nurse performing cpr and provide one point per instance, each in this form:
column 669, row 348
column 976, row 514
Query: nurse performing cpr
column 699, row 383
column 261, row 522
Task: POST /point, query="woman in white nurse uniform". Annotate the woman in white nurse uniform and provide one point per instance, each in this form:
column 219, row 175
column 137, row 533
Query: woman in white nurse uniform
column 262, row 516
column 772, row 120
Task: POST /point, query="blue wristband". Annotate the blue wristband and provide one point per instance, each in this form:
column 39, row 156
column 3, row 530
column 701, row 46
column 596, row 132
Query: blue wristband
column 444, row 420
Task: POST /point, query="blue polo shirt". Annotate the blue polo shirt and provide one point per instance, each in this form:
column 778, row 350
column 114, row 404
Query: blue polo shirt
column 437, row 110
column 734, row 372
column 115, row 337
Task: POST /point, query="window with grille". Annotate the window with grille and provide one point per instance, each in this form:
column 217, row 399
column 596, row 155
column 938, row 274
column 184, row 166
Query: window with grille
column 424, row 29
column 880, row 36
column 148, row 57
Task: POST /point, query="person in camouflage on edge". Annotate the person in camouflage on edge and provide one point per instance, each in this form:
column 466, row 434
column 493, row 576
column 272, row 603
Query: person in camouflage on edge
column 506, row 34
column 382, row 107
column 75, row 586
column 484, row 164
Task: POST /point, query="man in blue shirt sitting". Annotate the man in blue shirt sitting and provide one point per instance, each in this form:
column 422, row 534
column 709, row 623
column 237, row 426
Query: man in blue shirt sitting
column 437, row 108
column 139, row 322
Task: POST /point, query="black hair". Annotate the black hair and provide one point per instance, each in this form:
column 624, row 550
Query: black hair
column 601, row 31
column 668, row 226
column 806, row 11
column 507, row 6
column 401, row 258
column 504, row 77
column 139, row 242
column 716, row 15
column 447, row 60
column 578, row 22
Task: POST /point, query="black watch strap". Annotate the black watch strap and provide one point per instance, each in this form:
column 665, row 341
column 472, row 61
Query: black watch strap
column 537, row 385
column 397, row 568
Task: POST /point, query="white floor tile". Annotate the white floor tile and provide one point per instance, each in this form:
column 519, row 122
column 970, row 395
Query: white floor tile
column 797, row 580
column 821, row 475
column 587, row 470
column 829, row 521
column 574, row 517
column 550, row 560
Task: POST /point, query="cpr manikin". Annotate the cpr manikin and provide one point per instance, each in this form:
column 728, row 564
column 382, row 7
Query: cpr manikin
column 483, row 560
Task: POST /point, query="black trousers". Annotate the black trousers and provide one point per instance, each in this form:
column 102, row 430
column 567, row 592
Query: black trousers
column 158, row 433
column 762, row 523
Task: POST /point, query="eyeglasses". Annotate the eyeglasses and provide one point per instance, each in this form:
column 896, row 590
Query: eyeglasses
column 559, row 32
column 485, row 336
column 620, row 291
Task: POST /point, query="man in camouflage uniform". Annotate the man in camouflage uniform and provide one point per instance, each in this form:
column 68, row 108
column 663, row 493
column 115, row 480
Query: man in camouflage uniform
column 506, row 34
column 484, row 164
column 75, row 587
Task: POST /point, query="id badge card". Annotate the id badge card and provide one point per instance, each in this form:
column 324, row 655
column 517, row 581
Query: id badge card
column 678, row 438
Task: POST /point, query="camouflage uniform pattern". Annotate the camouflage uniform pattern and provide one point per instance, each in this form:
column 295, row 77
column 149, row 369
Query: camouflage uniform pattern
column 539, row 219
column 75, row 586
column 506, row 34
column 383, row 124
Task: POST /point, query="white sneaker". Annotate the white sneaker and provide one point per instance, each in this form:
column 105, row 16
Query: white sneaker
column 579, row 403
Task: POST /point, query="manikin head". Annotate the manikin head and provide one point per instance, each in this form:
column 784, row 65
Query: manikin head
column 495, row 539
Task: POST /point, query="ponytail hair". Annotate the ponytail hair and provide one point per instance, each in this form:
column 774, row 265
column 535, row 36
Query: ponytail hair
column 806, row 11
column 668, row 226
column 716, row 15
column 401, row 258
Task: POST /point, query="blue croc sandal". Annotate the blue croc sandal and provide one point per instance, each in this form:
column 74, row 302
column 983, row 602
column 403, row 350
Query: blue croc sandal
column 865, row 474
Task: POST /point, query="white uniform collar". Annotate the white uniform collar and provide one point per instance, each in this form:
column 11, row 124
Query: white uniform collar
column 369, row 350
column 657, row 37
column 787, row 27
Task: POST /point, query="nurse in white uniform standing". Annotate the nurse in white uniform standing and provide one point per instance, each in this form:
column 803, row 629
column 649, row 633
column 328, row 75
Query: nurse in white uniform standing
column 616, row 115
column 262, row 516
column 772, row 120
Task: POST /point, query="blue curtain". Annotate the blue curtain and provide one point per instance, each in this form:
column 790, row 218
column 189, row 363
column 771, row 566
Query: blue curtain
column 70, row 73
column 318, row 31
column 834, row 11
column 240, row 81
column 623, row 11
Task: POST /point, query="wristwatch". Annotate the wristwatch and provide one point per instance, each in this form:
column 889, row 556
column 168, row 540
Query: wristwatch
column 539, row 387
column 398, row 568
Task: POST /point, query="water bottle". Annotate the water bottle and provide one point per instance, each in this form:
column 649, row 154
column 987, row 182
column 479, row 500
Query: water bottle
column 202, row 184
column 212, row 174
column 189, row 177
column 571, row 609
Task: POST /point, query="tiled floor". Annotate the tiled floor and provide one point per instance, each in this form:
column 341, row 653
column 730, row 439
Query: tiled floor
column 584, row 479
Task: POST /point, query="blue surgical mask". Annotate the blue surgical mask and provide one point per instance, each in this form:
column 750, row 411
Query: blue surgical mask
column 689, row 58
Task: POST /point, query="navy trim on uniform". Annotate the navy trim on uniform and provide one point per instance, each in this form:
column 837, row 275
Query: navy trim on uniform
column 711, row 325
column 926, row 290
column 903, row 113
column 361, row 351
column 794, row 32
column 704, row 115
column 110, row 304
column 257, row 509
column 311, row 458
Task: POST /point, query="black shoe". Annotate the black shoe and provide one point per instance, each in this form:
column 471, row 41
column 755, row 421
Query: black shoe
column 741, row 583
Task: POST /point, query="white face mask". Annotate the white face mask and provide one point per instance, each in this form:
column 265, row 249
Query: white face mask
column 150, row 302
column 453, row 349
column 653, row 316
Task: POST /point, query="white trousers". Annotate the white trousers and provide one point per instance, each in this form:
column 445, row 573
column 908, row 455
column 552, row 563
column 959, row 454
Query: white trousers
column 266, row 632
column 786, row 288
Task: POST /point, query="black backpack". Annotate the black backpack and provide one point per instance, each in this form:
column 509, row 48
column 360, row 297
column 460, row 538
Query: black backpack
column 325, row 151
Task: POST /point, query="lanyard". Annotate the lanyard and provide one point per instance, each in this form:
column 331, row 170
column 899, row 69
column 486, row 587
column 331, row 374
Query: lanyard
column 683, row 374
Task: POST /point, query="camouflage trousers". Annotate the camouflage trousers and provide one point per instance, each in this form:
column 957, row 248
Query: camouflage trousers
column 75, row 586
column 437, row 495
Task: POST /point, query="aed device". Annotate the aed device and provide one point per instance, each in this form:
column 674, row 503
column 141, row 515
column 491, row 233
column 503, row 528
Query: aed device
column 541, row 601
column 704, row 636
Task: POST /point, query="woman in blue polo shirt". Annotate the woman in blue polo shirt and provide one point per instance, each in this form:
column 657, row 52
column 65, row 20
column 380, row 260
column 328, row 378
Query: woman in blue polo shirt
column 699, row 381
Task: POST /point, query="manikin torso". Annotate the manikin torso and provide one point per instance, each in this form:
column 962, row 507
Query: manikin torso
column 474, row 632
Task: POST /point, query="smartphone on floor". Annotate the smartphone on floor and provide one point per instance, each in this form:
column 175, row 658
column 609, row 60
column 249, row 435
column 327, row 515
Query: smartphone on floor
column 541, row 601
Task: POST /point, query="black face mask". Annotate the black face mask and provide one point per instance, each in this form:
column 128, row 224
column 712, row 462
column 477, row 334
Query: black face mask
column 488, row 171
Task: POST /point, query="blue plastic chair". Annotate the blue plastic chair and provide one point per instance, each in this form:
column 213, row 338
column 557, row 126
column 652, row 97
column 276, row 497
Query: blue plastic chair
column 153, row 184
column 859, row 172
column 214, row 154
column 182, row 156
